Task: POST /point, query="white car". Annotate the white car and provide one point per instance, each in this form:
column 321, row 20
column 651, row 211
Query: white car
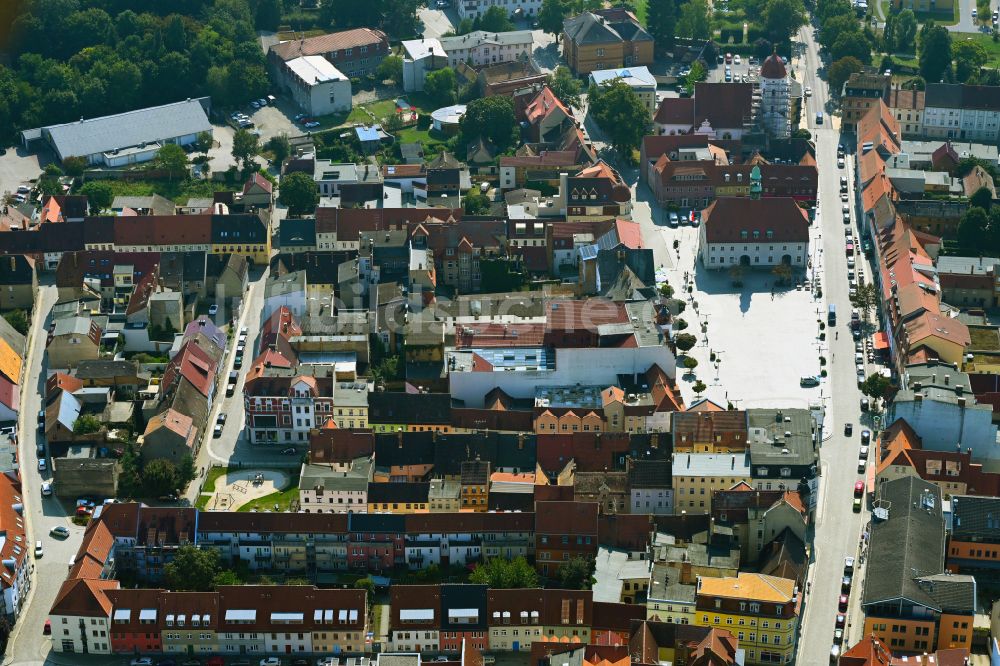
column 974, row 13
column 38, row 549
column 46, row 489
column 270, row 661
column 736, row 59
column 23, row 189
column 809, row 91
column 141, row 661
column 213, row 308
column 840, row 162
column 41, row 465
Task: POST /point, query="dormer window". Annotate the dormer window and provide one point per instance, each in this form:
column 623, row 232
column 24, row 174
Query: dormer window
column 743, row 235
column 770, row 234
column 756, row 235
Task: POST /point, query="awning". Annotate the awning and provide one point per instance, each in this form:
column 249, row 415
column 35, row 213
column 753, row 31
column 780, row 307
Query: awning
column 241, row 615
column 416, row 614
column 287, row 618
column 147, row 615
column 881, row 340
column 122, row 615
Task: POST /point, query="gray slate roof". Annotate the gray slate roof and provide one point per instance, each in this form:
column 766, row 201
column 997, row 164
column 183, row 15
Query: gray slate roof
column 976, row 518
column 908, row 545
column 123, row 130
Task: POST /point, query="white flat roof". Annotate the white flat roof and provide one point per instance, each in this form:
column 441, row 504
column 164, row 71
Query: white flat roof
column 417, row 49
column 634, row 76
column 314, row 70
column 416, row 614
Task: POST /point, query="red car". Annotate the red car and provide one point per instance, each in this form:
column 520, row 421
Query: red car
column 842, row 605
column 849, row 248
column 47, row 629
column 215, row 661
column 859, row 488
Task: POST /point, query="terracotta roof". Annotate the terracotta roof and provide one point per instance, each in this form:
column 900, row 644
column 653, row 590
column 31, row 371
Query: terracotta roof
column 543, row 105
column 258, row 180
column 337, row 445
column 773, row 68
column 750, row 586
column 869, row 651
column 172, row 420
column 484, row 334
column 566, row 518
column 84, row 597
column 10, row 362
column 727, row 217
column 324, row 44
column 933, row 324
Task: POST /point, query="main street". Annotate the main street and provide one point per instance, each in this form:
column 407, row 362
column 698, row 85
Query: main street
column 837, row 527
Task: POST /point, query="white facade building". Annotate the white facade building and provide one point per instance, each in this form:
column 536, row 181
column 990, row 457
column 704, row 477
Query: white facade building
column 317, row 87
column 470, row 9
column 775, row 102
column 420, row 57
column 481, row 48
column 960, row 111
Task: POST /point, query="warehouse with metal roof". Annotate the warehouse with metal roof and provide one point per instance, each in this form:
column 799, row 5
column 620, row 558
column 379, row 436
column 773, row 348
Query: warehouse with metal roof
column 126, row 138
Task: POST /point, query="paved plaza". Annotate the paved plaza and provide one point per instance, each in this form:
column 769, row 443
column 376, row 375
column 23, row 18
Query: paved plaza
column 764, row 341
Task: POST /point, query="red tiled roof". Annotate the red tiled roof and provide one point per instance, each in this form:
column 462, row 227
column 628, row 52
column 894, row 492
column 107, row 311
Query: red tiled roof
column 323, row 44
column 84, row 597
column 724, row 105
column 675, row 111
column 566, row 518
column 727, row 217
column 484, row 334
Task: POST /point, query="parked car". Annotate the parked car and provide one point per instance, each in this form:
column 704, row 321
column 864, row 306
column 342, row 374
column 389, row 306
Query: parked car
column 859, row 488
column 47, row 627
column 141, row 661
column 840, row 162
column 213, row 309
column 819, row 117
column 221, row 418
column 834, row 653
column 862, row 466
column 191, row 662
column 41, row 465
column 848, row 564
column 838, row 636
column 809, row 91
column 217, row 431
column 848, row 428
column 46, row 489
column 39, row 551
column 674, row 219
column 290, row 451
column 866, row 436
column 842, row 603
column 845, row 583
column 808, row 382
column 311, row 124
column 60, row 531
column 270, row 661
column 736, row 59
column 863, row 453
column 840, row 621
column 215, row 661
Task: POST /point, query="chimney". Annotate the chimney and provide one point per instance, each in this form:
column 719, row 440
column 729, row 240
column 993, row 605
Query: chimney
column 399, row 438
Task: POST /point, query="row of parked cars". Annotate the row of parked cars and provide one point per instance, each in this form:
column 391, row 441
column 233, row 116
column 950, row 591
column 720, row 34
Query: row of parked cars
column 240, row 661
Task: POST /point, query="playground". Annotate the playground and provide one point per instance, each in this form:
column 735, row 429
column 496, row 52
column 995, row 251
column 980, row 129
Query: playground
column 237, row 488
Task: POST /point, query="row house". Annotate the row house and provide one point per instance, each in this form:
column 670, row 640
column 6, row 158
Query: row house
column 414, row 618
column 356, row 53
column 245, row 619
column 15, row 579
column 518, row 618
column 695, row 184
column 974, row 541
column 458, row 539
column 564, row 530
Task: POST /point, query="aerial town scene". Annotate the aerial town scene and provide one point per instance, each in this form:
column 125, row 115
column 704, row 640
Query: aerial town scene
column 499, row 332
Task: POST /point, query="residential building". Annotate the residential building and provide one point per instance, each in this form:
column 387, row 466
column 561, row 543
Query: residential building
column 758, row 517
column 564, row 530
column 969, row 281
column 519, row 170
column 15, row 580
column 709, row 432
column 696, row 476
column 463, row 617
column 547, row 117
column 420, row 58
column 335, row 488
column 763, row 609
column 480, row 48
column 18, row 282
column 284, row 402
column 907, row 106
column 717, row 110
column 126, row 138
column 605, row 39
column 81, row 616
column 474, row 481
column 936, row 400
column 356, row 53
column 73, row 339
column 974, row 539
column 962, row 111
column 169, row 435
column 650, row 484
column 316, row 86
column 415, row 618
column 908, row 599
column 783, row 451
column 638, row 78
column 397, row 497
column 871, row 651
column 862, row 91
column 754, row 233
column 668, row 599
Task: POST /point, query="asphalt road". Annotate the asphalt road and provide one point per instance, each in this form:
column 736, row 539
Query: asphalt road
column 837, row 527
column 27, row 644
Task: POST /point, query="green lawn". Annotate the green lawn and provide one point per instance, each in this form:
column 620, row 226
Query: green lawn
column 177, row 190
column 283, row 499
column 986, row 41
column 380, row 110
column 213, row 475
column 640, row 10
column 946, row 15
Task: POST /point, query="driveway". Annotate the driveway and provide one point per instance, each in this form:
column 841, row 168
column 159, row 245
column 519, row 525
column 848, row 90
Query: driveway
column 437, row 22
column 18, row 166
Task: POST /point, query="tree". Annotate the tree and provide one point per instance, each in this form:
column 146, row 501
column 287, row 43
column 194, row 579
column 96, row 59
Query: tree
column 491, row 118
column 697, row 74
column 661, row 22
column 782, row 18
column 204, row 142
column 74, row 166
column 876, row 386
column 851, row 45
column 390, row 69
column 159, row 477
column 441, row 86
column 684, row 341
column 476, row 203
column 762, row 48
column 982, row 198
column 495, row 19
column 100, row 195
column 969, row 58
column 280, row 147
column 565, row 86
column 699, row 387
column 695, row 20
column 837, row 26
column 298, row 191
column 86, row 424
column 186, row 472
column 576, row 573
column 783, row 272
column 505, row 574
column 841, row 70
column 865, row 299
column 18, row 319
column 905, row 31
column 972, row 228
column 226, row 577
column 48, row 183
column 690, row 363
column 268, row 14
column 368, row 585
column 172, row 159
column 622, row 115
column 193, row 569
column 245, row 148
column 935, row 51
column 889, row 34
column 551, row 16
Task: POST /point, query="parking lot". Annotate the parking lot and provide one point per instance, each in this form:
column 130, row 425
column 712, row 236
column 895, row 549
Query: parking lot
column 18, row 167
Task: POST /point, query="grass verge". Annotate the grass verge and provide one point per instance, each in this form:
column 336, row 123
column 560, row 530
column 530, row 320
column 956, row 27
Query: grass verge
column 282, row 499
column 984, row 40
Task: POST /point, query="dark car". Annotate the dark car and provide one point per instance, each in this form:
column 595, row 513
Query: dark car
column 840, row 621
column 845, row 584
column 842, row 603
column 848, row 429
column 866, row 437
column 865, row 405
